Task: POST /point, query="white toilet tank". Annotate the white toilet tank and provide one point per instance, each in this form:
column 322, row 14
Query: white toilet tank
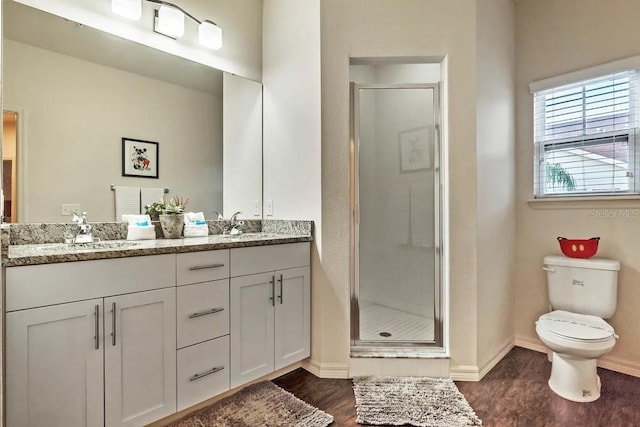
column 585, row 286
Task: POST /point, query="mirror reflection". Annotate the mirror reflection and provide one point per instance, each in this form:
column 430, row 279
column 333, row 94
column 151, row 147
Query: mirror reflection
column 72, row 93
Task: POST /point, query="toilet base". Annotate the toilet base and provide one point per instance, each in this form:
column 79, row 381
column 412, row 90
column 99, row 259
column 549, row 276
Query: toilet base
column 574, row 378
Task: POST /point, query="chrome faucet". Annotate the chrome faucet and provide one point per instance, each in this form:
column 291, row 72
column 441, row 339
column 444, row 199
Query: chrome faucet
column 85, row 231
column 235, row 226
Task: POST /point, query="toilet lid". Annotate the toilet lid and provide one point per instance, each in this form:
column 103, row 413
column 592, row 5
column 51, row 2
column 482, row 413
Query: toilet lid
column 576, row 326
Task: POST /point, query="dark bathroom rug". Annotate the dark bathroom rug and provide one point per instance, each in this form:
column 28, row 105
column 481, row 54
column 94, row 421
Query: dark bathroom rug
column 416, row 401
column 261, row 404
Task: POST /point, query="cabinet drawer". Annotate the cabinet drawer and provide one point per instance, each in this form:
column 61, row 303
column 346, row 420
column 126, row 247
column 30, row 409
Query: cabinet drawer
column 47, row 284
column 202, row 312
column 197, row 267
column 258, row 259
column 203, row 371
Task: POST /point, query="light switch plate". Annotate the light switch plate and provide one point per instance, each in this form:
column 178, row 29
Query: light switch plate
column 269, row 207
column 256, row 207
column 66, row 209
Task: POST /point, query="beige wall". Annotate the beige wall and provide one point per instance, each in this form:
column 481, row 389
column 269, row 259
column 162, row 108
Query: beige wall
column 556, row 37
column 292, row 134
column 362, row 28
column 495, row 153
column 291, row 78
column 74, row 116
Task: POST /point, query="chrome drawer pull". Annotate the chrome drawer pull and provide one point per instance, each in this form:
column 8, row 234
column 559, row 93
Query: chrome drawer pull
column 97, row 337
column 205, row 266
column 273, row 291
column 205, row 312
column 113, row 324
column 205, row 373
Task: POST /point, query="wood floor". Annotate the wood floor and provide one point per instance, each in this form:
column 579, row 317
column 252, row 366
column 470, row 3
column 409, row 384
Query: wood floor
column 514, row 393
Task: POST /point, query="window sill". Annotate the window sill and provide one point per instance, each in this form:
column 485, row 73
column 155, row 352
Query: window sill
column 585, row 202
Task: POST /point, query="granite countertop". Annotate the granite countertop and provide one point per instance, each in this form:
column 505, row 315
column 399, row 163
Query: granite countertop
column 50, row 253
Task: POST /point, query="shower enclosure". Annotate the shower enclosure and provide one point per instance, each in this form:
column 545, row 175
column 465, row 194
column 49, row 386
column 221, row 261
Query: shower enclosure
column 396, row 212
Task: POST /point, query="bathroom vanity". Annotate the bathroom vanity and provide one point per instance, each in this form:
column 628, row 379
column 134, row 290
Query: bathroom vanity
column 126, row 333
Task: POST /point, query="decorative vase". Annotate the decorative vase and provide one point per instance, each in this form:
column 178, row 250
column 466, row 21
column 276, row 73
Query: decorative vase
column 172, row 225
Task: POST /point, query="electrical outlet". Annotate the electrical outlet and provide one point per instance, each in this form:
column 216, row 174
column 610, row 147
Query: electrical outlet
column 256, row 207
column 66, row 209
column 269, row 207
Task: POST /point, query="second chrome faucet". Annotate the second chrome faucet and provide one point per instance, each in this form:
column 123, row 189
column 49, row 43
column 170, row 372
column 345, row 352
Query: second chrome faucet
column 233, row 227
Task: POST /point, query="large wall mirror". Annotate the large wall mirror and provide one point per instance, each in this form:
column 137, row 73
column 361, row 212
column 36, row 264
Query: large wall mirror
column 71, row 93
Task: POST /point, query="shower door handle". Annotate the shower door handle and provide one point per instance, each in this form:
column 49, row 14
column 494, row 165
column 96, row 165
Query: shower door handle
column 436, row 157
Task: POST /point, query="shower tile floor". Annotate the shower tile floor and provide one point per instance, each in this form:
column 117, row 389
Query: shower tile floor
column 401, row 326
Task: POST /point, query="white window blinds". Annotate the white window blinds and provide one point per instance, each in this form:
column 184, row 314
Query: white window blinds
column 584, row 136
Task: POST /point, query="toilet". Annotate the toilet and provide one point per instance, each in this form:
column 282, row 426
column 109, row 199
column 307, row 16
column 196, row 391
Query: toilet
column 582, row 292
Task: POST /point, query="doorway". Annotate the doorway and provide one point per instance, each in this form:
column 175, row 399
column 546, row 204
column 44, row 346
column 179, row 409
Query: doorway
column 396, row 308
column 10, row 166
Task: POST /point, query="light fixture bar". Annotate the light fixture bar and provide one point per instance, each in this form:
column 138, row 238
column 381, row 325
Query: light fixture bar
column 175, row 6
column 169, row 20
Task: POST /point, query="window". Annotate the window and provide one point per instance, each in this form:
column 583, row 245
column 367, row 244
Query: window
column 585, row 137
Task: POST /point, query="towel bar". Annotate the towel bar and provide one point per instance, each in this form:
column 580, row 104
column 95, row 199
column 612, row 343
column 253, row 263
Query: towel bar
column 113, row 187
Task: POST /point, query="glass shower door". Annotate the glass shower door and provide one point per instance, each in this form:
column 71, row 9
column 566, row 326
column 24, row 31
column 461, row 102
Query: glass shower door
column 396, row 215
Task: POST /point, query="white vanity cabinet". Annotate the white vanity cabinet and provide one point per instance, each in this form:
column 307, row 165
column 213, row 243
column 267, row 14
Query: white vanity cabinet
column 203, row 326
column 128, row 341
column 54, row 366
column 78, row 352
column 140, row 357
column 270, row 309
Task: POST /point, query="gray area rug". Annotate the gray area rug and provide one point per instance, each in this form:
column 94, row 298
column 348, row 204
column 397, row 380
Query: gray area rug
column 260, row 404
column 418, row 401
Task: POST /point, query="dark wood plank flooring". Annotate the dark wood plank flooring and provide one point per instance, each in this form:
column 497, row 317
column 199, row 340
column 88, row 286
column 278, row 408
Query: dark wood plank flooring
column 514, row 393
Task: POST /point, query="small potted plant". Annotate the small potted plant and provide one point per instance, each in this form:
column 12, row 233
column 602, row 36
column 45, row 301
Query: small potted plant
column 170, row 215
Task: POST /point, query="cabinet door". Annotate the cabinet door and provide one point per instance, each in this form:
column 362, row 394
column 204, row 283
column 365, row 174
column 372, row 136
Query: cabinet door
column 292, row 316
column 252, row 307
column 54, row 361
column 140, row 359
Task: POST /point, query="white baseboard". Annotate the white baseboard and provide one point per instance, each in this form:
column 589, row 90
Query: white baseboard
column 473, row 373
column 326, row 370
column 607, row 362
column 619, row 365
column 506, row 348
column 465, row 373
column 530, row 343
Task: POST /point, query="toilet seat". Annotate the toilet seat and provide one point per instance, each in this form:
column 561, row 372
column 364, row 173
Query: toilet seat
column 576, row 327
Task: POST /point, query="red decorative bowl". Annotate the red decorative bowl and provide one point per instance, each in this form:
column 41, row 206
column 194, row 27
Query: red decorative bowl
column 579, row 248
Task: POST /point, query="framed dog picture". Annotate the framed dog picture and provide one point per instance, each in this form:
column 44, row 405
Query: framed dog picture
column 140, row 158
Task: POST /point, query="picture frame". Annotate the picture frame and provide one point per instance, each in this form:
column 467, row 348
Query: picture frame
column 415, row 153
column 140, row 158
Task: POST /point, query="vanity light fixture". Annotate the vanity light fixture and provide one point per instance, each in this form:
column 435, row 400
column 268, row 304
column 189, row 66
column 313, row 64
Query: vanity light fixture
column 131, row 9
column 210, row 35
column 169, row 20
